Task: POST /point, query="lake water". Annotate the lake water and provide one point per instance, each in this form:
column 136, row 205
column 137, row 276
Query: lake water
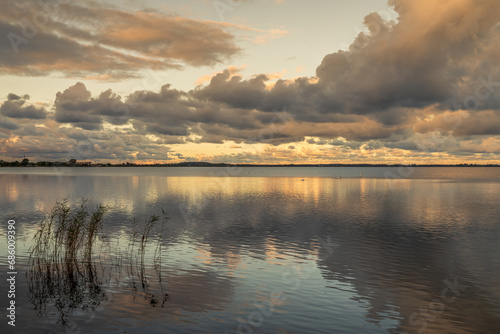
column 267, row 250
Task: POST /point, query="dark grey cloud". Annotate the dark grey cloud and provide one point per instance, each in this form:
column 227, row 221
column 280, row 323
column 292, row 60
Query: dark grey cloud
column 14, row 97
column 402, row 64
column 238, row 93
column 30, row 130
column 169, row 112
column 7, row 124
column 463, row 123
column 75, row 106
column 16, row 107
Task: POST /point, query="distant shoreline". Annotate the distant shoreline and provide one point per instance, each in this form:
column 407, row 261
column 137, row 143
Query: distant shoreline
column 206, row 164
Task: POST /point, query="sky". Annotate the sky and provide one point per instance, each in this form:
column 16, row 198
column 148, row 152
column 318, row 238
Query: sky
column 250, row 81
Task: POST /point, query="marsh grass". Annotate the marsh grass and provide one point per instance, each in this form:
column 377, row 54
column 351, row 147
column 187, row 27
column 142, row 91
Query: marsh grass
column 71, row 260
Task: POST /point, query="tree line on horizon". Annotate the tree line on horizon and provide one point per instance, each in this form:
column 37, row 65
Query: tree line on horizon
column 74, row 163
column 26, row 163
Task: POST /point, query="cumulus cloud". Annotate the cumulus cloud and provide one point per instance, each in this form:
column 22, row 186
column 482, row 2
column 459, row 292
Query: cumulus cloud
column 437, row 53
column 76, row 106
column 433, row 54
column 16, row 107
column 234, row 91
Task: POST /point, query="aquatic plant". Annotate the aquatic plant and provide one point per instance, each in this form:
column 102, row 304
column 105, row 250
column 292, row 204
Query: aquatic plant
column 65, row 270
column 141, row 235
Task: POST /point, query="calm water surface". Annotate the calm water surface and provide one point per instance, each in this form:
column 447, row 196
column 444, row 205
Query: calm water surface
column 274, row 250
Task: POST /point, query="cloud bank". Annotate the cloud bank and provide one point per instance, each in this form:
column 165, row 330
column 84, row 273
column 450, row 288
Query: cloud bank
column 424, row 86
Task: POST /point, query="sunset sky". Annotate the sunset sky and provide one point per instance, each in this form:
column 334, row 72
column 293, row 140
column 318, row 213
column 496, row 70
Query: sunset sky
column 251, row 81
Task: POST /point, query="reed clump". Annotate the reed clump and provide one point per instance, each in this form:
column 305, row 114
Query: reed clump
column 68, row 236
column 65, row 271
column 61, row 269
column 139, row 240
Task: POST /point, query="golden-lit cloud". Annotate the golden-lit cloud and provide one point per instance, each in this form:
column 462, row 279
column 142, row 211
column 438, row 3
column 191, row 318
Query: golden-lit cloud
column 90, row 40
column 233, row 70
column 270, row 35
